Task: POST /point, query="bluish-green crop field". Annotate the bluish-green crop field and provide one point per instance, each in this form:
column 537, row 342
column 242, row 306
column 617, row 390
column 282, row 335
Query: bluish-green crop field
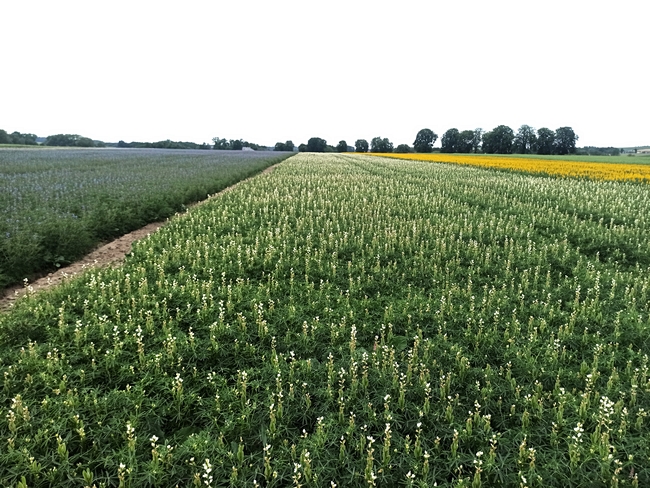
column 59, row 203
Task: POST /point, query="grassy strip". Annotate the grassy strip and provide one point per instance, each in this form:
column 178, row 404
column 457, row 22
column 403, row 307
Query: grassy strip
column 349, row 321
column 60, row 203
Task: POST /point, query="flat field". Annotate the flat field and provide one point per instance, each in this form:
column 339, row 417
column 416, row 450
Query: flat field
column 59, row 203
column 349, row 321
column 621, row 159
column 615, row 168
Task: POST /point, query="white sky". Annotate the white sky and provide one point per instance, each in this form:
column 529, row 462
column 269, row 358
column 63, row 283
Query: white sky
column 267, row 71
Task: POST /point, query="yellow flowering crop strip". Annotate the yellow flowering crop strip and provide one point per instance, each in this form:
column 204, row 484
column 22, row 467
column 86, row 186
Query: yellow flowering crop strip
column 575, row 169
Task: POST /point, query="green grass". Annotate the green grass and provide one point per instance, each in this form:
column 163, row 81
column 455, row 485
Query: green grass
column 59, row 203
column 348, row 319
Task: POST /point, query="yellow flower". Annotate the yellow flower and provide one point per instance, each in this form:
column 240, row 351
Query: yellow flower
column 555, row 167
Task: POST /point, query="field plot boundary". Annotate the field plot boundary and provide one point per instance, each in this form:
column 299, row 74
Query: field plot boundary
column 537, row 165
column 106, row 254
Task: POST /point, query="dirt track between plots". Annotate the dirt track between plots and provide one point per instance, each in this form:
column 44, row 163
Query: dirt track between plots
column 108, row 254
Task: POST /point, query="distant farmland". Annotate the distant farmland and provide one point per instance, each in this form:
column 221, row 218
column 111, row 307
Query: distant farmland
column 58, row 203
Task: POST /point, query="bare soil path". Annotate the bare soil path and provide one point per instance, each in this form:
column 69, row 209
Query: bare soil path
column 109, row 254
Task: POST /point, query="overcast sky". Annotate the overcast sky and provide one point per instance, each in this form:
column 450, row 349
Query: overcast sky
column 268, row 71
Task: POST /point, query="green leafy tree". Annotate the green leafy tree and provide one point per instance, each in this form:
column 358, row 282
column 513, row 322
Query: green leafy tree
column 302, row 148
column 361, row 146
column 236, row 144
column 18, row 138
column 85, row 142
column 342, row 146
column 220, row 144
column 465, row 143
column 565, row 141
column 403, row 149
column 253, row 146
column 379, row 145
column 477, row 140
column 279, row 146
column 499, row 140
column 525, row 141
column 545, row 141
column 62, row 140
column 316, row 144
column 424, row 141
column 450, row 141
column 289, row 146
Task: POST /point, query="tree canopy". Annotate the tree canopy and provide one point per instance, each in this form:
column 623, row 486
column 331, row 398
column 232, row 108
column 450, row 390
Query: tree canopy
column 71, row 140
column 403, row 148
column 565, row 140
column 466, row 141
column 379, row 145
column 525, row 141
column 342, row 146
column 361, row 146
column 316, row 144
column 284, row 146
column 17, row 138
column 450, row 141
column 545, row 141
column 499, row 140
column 222, row 144
column 424, row 141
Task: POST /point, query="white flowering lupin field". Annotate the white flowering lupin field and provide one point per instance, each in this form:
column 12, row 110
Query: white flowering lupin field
column 349, row 321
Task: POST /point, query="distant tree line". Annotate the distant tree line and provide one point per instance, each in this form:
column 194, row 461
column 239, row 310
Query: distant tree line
column 166, row 144
column 235, row 145
column 17, row 138
column 503, row 140
column 72, row 140
column 500, row 140
column 284, row 146
column 599, row 151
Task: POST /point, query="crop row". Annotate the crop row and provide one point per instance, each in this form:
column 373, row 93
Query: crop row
column 555, row 167
column 349, row 321
column 58, row 204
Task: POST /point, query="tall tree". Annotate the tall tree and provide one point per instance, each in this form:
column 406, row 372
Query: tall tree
column 361, row 146
column 289, row 146
column 526, row 140
column 342, row 146
column 477, row 139
column 379, row 145
column 565, row 140
column 466, row 141
column 4, row 137
column 499, row 140
column 424, row 141
column 236, row 144
column 220, row 144
column 450, row 141
column 403, row 149
column 85, row 142
column 316, row 144
column 545, row 141
column 62, row 140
